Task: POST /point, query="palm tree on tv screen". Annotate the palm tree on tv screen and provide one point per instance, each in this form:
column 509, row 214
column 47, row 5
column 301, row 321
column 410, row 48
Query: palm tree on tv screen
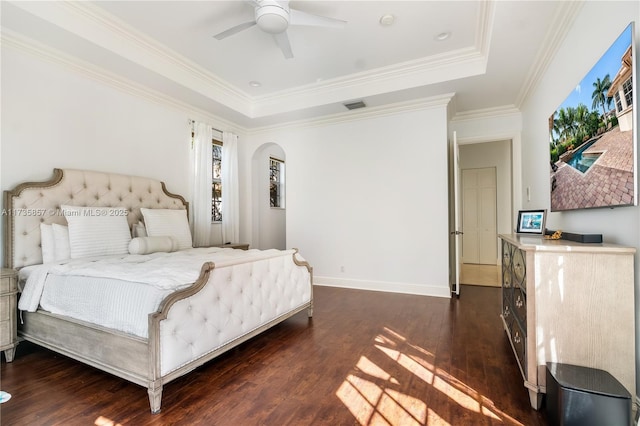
column 599, row 95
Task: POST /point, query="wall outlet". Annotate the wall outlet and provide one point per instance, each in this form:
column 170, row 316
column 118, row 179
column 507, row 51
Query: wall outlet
column 342, row 269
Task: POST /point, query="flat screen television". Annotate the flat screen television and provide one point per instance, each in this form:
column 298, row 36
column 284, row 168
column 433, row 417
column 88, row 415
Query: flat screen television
column 593, row 135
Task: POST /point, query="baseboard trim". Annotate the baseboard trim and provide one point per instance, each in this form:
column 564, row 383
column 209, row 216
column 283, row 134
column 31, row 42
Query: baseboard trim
column 384, row 286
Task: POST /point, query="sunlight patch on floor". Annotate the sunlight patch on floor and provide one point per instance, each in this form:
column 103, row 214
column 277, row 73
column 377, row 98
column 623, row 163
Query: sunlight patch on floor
column 374, row 401
column 103, row 421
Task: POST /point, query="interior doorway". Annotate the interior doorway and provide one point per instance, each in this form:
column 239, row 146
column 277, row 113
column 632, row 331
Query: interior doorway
column 268, row 224
column 485, row 162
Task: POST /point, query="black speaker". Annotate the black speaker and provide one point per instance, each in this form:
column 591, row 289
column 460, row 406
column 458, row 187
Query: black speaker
column 582, row 396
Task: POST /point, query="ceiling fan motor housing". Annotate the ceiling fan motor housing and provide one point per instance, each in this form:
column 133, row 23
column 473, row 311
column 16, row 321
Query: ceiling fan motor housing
column 272, row 17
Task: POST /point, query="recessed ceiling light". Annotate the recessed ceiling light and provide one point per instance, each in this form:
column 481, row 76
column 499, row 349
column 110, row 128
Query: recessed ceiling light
column 387, row 20
column 255, row 84
column 443, row 36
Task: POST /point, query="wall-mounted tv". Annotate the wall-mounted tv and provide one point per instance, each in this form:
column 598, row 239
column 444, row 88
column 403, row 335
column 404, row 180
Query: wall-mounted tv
column 593, row 135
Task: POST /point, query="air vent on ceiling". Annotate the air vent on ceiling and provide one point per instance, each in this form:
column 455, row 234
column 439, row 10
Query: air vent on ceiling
column 355, row 105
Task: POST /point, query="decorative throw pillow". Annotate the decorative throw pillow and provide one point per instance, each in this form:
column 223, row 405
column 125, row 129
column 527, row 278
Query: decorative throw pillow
column 148, row 245
column 61, row 242
column 97, row 231
column 138, row 230
column 47, row 243
column 168, row 223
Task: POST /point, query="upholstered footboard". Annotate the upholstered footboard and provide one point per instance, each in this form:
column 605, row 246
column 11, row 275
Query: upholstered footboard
column 228, row 303
column 226, row 306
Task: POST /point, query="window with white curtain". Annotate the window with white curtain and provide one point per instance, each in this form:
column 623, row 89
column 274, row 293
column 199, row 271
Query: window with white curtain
column 276, row 182
column 216, row 182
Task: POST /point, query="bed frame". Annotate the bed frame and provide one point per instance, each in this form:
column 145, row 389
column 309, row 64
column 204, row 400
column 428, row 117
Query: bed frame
column 170, row 351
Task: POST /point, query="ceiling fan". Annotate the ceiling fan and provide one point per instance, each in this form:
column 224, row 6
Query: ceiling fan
column 274, row 17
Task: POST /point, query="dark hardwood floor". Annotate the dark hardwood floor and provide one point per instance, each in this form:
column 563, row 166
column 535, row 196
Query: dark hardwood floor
column 365, row 358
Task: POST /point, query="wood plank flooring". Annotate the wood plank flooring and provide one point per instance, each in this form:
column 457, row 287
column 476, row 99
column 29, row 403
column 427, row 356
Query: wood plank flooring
column 366, row 358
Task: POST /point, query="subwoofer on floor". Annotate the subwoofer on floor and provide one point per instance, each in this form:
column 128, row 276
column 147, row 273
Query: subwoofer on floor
column 582, row 396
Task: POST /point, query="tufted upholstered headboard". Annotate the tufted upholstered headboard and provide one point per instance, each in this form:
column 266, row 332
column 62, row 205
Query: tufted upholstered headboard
column 32, row 203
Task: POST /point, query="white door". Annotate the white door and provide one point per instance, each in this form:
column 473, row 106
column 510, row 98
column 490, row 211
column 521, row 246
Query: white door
column 479, row 216
column 455, row 284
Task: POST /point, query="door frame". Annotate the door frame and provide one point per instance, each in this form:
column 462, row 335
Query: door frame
column 515, row 173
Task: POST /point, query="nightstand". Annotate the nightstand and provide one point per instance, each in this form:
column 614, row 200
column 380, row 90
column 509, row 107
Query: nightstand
column 241, row 246
column 8, row 313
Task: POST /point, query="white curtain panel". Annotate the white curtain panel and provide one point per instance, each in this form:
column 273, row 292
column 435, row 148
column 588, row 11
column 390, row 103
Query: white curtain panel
column 201, row 183
column 230, row 192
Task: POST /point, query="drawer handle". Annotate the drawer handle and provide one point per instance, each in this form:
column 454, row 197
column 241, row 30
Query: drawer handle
column 517, row 338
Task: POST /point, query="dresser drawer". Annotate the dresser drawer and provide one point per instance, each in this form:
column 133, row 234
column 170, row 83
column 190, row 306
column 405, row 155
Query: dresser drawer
column 507, row 305
column 6, row 335
column 519, row 268
column 5, row 308
column 507, row 251
column 520, row 306
column 519, row 343
column 507, row 279
column 8, row 284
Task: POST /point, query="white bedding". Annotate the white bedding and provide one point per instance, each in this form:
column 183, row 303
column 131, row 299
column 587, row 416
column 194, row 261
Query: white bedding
column 119, row 292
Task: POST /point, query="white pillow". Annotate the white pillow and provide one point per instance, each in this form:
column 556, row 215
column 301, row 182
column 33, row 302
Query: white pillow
column 54, row 242
column 61, row 242
column 47, row 243
column 138, row 230
column 147, row 245
column 97, row 231
column 168, row 222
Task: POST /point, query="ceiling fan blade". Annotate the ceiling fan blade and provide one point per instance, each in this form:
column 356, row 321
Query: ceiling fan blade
column 298, row 17
column 233, row 30
column 283, row 42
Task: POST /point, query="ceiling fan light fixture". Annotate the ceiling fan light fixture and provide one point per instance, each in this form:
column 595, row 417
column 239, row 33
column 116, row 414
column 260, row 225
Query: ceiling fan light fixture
column 272, row 18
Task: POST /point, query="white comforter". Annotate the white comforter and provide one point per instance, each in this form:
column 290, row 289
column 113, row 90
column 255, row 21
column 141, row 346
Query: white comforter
column 164, row 271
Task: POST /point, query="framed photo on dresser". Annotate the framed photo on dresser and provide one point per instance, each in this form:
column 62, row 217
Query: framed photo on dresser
column 531, row 221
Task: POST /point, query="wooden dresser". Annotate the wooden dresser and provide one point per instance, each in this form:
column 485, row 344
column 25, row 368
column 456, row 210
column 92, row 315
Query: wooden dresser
column 569, row 303
column 8, row 313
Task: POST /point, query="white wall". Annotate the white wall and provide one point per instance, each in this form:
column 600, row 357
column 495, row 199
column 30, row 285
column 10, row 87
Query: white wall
column 368, row 195
column 596, row 27
column 367, row 199
column 502, row 124
column 53, row 117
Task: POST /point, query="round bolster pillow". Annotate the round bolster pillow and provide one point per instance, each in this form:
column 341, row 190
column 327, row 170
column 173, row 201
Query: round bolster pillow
column 148, row 245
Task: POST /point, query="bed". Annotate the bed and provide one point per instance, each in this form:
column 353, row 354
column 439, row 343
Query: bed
column 226, row 296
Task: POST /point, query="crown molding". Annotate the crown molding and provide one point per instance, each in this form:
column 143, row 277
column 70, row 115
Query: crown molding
column 422, row 72
column 484, row 27
column 97, row 26
column 18, row 42
column 494, row 112
column 466, row 62
column 562, row 21
column 440, row 101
